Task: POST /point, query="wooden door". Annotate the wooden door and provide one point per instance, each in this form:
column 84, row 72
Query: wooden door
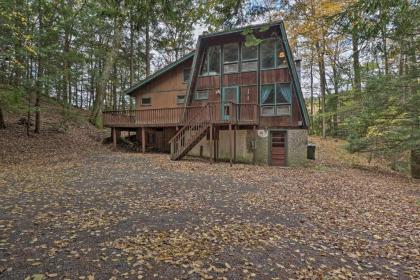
column 278, row 148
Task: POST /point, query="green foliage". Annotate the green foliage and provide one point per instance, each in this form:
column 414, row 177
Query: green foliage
column 250, row 39
column 12, row 99
column 388, row 121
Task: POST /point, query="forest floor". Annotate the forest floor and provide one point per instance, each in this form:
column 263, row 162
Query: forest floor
column 71, row 208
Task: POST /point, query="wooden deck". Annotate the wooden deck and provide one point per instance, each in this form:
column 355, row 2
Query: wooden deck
column 230, row 113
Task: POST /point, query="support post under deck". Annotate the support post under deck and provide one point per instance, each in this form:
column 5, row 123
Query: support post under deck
column 234, row 144
column 230, row 144
column 143, row 140
column 211, row 143
column 114, row 137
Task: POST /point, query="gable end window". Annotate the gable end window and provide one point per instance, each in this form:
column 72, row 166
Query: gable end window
column 272, row 54
column 275, row 99
column 146, row 101
column 211, row 64
column 186, row 75
column 230, row 58
column 201, row 95
column 249, row 58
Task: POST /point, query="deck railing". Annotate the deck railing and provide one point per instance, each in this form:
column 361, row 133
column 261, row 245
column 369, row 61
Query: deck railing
column 235, row 113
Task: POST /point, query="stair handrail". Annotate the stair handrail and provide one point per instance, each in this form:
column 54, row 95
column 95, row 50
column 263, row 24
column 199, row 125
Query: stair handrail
column 190, row 121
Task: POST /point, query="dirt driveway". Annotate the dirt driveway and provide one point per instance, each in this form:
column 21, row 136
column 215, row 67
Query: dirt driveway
column 129, row 216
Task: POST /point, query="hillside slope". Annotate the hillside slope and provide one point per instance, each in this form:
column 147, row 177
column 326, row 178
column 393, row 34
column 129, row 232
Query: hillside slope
column 64, row 135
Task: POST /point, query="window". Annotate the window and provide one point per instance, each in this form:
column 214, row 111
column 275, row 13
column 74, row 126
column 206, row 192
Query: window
column 281, row 54
column 249, row 58
column 272, row 54
column 187, row 74
column 201, row 95
column 275, row 99
column 249, row 53
column 268, row 49
column 211, row 65
column 180, row 99
column 146, row 101
column 230, row 58
column 249, row 66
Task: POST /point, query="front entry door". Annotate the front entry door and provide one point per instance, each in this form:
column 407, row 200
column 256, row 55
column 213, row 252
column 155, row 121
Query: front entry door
column 278, row 148
column 229, row 94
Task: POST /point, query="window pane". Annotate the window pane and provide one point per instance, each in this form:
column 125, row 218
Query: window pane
column 267, row 110
column 283, row 93
column 201, row 94
column 230, row 52
column 283, row 110
column 267, row 54
column 187, row 74
column 204, row 68
column 229, row 68
column 180, row 99
column 214, row 60
column 230, row 94
column 249, row 53
column 146, row 101
column 249, row 66
column 281, row 55
column 267, row 94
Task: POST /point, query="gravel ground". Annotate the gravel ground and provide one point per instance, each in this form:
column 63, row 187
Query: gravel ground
column 116, row 215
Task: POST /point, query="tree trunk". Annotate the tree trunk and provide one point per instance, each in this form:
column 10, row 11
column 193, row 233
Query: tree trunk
column 356, row 62
column 131, row 64
column 385, row 51
column 101, row 83
column 114, row 89
column 2, row 122
column 311, row 74
column 322, row 78
column 147, row 55
column 39, row 82
column 38, row 108
column 335, row 98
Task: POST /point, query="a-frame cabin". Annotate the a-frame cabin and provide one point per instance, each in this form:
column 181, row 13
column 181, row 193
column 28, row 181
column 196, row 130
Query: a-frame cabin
column 228, row 100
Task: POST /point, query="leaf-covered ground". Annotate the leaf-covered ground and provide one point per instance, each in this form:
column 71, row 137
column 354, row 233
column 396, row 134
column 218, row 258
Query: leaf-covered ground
column 116, row 215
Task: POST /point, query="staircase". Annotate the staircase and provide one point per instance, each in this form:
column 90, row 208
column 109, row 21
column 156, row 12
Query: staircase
column 193, row 131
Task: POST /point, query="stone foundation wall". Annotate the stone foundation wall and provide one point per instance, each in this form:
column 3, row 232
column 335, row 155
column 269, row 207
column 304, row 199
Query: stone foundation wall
column 297, row 143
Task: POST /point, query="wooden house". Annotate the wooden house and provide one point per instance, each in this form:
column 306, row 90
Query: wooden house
column 227, row 100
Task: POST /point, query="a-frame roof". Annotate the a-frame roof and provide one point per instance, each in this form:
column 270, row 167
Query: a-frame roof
column 158, row 73
column 290, row 61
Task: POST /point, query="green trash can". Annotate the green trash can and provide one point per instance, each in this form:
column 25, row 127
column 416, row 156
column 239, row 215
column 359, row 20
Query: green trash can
column 311, row 151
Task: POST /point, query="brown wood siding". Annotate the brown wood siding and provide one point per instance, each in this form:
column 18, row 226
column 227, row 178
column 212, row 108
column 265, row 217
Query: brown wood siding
column 231, row 79
column 236, row 79
column 249, row 78
column 249, row 94
column 296, row 112
column 280, row 75
column 164, row 90
column 208, row 82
